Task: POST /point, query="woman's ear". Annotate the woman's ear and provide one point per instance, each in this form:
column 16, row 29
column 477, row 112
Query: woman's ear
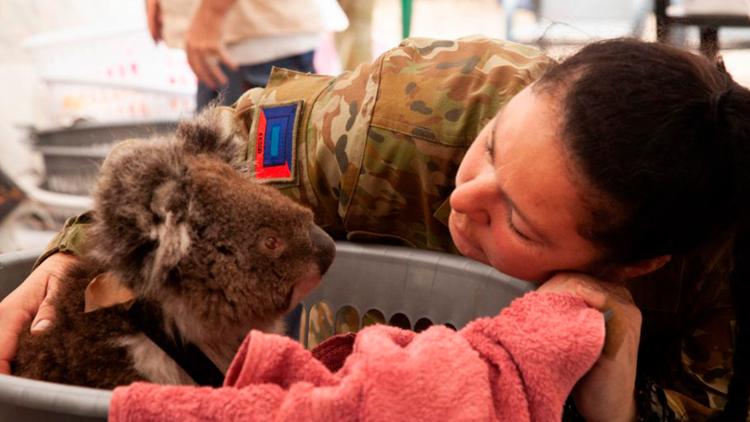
column 639, row 268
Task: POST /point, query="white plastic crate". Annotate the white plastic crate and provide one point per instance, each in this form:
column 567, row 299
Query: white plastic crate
column 110, row 75
column 122, row 55
column 66, row 102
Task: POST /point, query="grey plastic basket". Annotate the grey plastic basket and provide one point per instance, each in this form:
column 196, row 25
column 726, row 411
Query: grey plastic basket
column 393, row 280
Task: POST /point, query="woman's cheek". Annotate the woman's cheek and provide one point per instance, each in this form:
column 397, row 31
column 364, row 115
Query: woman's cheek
column 498, row 250
column 508, row 254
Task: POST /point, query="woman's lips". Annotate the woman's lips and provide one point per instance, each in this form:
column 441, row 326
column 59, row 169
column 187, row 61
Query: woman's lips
column 464, row 245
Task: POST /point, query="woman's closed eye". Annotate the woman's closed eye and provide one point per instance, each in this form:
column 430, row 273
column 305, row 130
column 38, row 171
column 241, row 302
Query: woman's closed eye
column 489, row 149
column 515, row 229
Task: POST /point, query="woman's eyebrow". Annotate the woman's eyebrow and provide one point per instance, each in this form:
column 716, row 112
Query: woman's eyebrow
column 492, row 133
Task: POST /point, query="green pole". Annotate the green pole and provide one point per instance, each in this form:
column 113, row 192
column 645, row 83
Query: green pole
column 406, row 7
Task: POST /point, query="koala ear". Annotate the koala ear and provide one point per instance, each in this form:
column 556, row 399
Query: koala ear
column 170, row 230
column 140, row 205
column 215, row 132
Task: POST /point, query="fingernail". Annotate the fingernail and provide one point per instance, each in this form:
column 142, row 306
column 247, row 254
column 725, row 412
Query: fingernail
column 608, row 314
column 41, row 325
column 590, row 292
column 585, row 289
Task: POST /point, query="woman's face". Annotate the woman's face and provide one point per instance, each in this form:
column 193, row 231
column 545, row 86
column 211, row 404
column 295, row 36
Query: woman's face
column 517, row 205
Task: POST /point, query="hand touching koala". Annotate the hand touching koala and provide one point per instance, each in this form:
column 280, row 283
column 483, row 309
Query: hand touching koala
column 185, row 256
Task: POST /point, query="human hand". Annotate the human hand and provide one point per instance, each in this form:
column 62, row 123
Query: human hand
column 204, row 47
column 153, row 17
column 30, row 300
column 607, row 391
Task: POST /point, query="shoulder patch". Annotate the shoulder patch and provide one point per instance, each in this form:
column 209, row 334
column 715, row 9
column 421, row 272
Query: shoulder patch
column 276, row 142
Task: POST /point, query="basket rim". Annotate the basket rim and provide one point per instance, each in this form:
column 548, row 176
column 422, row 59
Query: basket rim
column 49, row 396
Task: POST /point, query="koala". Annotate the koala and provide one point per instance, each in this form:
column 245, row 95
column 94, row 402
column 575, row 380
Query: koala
column 207, row 253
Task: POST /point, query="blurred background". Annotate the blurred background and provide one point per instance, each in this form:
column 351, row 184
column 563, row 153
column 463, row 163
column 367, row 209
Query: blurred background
column 79, row 75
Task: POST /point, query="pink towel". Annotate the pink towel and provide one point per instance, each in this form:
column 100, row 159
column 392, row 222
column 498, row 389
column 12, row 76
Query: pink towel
column 520, row 366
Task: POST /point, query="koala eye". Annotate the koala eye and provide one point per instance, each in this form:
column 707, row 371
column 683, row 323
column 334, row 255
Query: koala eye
column 270, row 243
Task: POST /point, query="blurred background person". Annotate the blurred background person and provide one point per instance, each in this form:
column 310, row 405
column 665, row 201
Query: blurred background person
column 354, row 45
column 231, row 45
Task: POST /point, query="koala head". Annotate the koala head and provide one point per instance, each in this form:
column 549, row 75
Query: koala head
column 180, row 225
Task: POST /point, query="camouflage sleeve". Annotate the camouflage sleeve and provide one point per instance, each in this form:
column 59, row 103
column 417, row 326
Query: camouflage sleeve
column 377, row 149
column 433, row 99
column 70, row 239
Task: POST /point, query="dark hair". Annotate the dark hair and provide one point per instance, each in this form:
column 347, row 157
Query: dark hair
column 660, row 133
column 662, row 136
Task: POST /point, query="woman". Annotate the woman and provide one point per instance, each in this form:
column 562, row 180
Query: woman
column 627, row 162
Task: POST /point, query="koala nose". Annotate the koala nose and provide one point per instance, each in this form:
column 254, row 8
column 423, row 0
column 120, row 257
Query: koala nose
column 325, row 248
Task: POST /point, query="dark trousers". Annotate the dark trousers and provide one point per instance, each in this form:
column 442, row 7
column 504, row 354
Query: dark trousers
column 250, row 76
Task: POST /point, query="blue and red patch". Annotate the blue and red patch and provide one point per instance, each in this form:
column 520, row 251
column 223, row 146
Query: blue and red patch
column 275, row 145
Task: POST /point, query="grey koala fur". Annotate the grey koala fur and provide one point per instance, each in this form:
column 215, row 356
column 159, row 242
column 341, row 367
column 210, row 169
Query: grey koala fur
column 177, row 221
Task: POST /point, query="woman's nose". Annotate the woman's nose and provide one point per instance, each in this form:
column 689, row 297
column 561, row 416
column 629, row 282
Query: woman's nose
column 474, row 197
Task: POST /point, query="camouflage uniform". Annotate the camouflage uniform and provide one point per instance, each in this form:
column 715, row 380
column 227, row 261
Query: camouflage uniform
column 379, row 147
column 376, row 155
